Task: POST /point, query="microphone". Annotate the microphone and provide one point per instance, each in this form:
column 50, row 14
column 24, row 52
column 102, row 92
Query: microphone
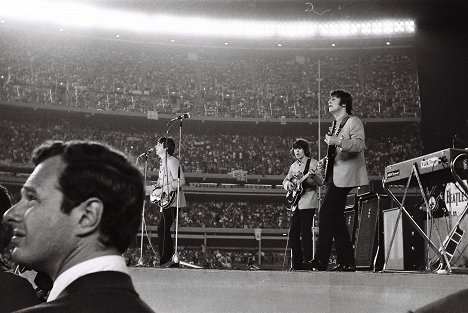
column 181, row 117
column 146, row 152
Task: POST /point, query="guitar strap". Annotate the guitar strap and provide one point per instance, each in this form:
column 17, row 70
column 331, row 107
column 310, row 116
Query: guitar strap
column 342, row 124
column 306, row 169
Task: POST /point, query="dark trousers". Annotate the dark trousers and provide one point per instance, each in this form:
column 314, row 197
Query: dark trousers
column 166, row 247
column 301, row 226
column 332, row 225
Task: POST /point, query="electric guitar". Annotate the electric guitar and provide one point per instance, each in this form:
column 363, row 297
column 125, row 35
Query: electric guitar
column 294, row 195
column 450, row 246
column 328, row 160
column 160, row 197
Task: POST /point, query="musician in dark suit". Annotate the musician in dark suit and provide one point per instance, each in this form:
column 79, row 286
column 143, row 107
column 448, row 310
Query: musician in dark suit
column 15, row 291
column 304, row 204
column 79, row 211
column 348, row 170
column 169, row 171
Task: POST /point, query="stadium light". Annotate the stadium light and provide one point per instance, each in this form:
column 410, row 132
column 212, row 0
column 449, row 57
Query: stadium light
column 74, row 14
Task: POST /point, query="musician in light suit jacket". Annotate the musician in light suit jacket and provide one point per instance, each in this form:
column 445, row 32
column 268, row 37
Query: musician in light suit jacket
column 170, row 176
column 304, row 204
column 346, row 141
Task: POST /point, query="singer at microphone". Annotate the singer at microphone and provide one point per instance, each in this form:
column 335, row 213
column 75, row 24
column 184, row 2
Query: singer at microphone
column 181, row 117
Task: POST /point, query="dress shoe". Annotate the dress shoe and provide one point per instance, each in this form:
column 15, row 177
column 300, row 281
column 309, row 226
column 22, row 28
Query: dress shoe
column 314, row 265
column 344, row 268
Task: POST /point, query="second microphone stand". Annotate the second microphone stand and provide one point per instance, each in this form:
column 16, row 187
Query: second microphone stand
column 175, row 257
column 143, row 223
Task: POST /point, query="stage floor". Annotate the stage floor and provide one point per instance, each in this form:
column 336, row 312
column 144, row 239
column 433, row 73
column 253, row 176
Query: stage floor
column 204, row 291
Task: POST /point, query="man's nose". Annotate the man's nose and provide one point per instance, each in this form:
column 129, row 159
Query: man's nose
column 14, row 214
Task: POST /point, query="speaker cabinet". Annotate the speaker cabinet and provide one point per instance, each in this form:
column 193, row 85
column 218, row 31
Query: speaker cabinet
column 368, row 247
column 407, row 253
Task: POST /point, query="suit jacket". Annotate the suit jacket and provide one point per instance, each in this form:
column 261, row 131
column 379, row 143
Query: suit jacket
column 15, row 292
column 349, row 168
column 454, row 303
column 103, row 292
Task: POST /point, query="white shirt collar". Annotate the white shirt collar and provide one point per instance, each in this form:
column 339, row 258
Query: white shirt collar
column 99, row 264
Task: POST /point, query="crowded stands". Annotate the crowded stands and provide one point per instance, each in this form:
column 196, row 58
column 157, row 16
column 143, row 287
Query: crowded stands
column 113, row 75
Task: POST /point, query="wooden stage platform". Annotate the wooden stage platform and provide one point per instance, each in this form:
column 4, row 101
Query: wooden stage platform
column 204, row 291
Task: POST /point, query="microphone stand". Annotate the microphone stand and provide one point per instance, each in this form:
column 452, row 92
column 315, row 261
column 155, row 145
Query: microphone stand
column 175, row 257
column 143, row 224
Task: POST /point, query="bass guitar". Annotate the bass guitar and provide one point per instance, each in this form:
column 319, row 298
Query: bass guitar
column 160, row 197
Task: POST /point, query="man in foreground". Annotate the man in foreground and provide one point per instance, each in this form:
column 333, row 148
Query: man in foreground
column 79, row 210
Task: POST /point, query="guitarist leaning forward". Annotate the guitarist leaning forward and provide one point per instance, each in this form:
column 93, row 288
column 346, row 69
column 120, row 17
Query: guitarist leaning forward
column 347, row 170
column 166, row 188
column 301, row 184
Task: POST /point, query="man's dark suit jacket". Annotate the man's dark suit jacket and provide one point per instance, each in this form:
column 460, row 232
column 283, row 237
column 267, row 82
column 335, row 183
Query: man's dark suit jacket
column 453, row 303
column 15, row 293
column 104, row 292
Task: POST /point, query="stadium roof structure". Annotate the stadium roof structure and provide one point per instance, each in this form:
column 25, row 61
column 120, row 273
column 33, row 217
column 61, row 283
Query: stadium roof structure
column 261, row 23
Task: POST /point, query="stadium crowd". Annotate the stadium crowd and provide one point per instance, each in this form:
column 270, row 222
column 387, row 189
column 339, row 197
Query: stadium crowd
column 203, row 153
column 225, row 259
column 113, row 75
column 223, row 214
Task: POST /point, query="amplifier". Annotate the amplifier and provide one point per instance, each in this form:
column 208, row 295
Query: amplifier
column 407, row 252
column 369, row 242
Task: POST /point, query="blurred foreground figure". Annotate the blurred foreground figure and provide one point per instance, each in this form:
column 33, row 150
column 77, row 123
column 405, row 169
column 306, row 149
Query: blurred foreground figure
column 454, row 303
column 15, row 291
column 79, row 210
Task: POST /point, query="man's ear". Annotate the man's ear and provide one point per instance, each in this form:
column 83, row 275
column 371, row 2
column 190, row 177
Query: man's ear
column 89, row 214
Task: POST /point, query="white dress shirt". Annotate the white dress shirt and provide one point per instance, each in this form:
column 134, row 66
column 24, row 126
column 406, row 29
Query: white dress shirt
column 114, row 263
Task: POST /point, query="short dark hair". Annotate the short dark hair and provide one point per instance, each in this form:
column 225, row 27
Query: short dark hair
column 345, row 99
column 303, row 144
column 168, row 143
column 6, row 231
column 93, row 169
